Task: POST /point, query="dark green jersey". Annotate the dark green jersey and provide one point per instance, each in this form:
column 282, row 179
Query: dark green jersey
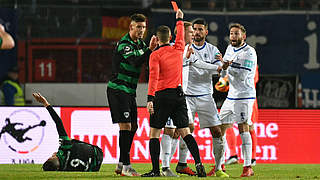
column 126, row 64
column 0, row 42
column 75, row 155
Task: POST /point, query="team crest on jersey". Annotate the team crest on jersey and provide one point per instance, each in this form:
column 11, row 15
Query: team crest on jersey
column 206, row 55
column 126, row 114
column 127, row 50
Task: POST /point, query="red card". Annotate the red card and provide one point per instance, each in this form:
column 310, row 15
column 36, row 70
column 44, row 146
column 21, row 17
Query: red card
column 175, row 6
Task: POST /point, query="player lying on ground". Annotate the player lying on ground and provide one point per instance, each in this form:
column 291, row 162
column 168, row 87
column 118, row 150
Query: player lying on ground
column 72, row 155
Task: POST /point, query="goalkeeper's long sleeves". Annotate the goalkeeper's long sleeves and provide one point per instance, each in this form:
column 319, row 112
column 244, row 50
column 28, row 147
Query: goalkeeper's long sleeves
column 58, row 121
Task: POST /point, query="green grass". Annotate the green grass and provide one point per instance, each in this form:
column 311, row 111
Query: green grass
column 262, row 171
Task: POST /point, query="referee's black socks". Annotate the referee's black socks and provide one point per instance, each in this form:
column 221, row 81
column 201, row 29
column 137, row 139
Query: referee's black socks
column 193, row 147
column 154, row 148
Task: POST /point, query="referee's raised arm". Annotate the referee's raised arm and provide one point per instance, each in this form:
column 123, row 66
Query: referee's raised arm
column 180, row 41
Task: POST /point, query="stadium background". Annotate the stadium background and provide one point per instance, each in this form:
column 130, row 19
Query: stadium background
column 63, row 49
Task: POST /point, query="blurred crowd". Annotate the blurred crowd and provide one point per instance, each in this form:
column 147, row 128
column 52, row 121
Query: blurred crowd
column 222, row 5
column 241, row 5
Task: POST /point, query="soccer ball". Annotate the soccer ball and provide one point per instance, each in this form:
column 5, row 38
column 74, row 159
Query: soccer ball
column 222, row 85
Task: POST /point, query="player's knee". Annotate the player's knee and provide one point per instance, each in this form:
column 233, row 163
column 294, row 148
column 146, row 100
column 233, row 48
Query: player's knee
column 125, row 126
column 154, row 133
column 184, row 131
column 243, row 127
column 169, row 131
column 216, row 131
column 176, row 135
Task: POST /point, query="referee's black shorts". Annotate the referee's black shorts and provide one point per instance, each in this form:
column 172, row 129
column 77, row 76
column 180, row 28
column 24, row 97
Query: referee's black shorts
column 169, row 103
column 123, row 106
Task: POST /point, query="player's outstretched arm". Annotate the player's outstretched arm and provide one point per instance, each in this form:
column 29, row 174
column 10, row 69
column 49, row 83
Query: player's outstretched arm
column 53, row 114
column 7, row 40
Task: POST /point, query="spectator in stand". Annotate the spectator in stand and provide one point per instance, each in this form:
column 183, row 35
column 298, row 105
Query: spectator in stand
column 232, row 5
column 212, row 4
column 315, row 4
column 187, row 4
column 12, row 91
column 278, row 4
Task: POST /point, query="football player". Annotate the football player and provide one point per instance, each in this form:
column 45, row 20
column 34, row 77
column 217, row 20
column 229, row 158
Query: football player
column 72, row 155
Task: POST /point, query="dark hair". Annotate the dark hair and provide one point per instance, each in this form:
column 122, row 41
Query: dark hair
column 138, row 18
column 163, row 33
column 51, row 165
column 200, row 21
column 238, row 25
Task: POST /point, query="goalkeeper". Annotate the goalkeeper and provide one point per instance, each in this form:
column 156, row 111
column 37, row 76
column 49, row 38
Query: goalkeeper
column 72, row 155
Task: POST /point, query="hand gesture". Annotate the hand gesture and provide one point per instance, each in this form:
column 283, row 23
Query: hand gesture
column 219, row 57
column 226, row 64
column 153, row 43
column 219, row 70
column 40, row 99
column 189, row 51
column 150, row 107
column 179, row 14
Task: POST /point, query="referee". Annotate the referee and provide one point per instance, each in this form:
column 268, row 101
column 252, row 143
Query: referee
column 72, row 155
column 165, row 95
column 130, row 54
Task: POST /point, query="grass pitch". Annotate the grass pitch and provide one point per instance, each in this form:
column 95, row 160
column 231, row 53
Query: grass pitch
column 262, row 171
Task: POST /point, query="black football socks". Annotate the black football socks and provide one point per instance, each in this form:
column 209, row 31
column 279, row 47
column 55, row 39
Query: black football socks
column 154, row 148
column 124, row 135
column 193, row 147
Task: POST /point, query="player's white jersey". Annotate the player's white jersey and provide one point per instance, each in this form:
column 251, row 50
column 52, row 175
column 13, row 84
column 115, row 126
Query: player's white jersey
column 197, row 81
column 241, row 72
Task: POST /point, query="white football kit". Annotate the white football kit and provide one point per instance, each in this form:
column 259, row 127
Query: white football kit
column 198, row 88
column 238, row 105
column 198, row 85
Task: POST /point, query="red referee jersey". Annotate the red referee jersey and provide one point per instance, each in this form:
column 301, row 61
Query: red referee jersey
column 165, row 64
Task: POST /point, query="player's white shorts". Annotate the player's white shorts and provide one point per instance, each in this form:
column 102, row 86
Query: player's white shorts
column 206, row 108
column 170, row 124
column 239, row 111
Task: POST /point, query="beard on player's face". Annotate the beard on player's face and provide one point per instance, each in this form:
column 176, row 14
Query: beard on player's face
column 198, row 38
column 236, row 42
